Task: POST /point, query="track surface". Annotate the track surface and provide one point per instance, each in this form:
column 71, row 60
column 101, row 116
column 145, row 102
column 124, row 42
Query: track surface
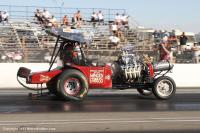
column 102, row 111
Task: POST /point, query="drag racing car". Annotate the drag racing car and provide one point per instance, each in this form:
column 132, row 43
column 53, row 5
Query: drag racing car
column 77, row 74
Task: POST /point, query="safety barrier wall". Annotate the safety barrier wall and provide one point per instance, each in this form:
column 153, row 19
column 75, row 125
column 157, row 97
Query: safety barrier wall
column 185, row 75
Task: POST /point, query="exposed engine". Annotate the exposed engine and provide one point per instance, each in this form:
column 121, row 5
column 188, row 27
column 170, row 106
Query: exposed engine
column 130, row 67
column 129, row 64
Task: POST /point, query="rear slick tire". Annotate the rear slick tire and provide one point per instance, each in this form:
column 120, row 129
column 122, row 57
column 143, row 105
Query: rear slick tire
column 72, row 85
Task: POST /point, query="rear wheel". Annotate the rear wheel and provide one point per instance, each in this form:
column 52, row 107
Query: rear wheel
column 72, row 84
column 144, row 92
column 164, row 88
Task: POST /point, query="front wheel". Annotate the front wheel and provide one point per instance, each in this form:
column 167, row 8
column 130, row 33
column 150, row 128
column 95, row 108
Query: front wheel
column 73, row 85
column 164, row 88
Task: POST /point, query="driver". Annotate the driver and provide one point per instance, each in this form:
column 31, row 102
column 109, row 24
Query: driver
column 69, row 54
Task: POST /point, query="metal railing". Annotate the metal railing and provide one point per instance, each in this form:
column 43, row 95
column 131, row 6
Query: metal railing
column 26, row 13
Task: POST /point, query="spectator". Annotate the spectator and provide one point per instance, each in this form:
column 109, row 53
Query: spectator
column 53, row 22
column 117, row 18
column 117, row 30
column 196, row 53
column 155, row 34
column 94, row 19
column 114, row 41
column 114, row 28
column 100, row 17
column 160, row 35
column 172, row 36
column 165, row 36
column 183, row 41
column 65, row 20
column 124, row 19
column 38, row 15
column 156, row 37
column 77, row 16
column 4, row 16
column 77, row 19
column 46, row 15
column 165, row 51
column 120, row 32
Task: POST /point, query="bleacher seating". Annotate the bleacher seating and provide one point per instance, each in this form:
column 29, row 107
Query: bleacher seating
column 8, row 38
column 34, row 42
column 24, row 33
column 32, row 39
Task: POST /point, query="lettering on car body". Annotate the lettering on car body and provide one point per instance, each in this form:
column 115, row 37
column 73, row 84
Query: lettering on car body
column 96, row 76
column 44, row 78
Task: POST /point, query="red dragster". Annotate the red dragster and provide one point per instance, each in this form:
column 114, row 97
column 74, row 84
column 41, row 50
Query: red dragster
column 77, row 74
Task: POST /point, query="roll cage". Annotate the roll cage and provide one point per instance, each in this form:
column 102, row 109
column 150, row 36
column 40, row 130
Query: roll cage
column 70, row 48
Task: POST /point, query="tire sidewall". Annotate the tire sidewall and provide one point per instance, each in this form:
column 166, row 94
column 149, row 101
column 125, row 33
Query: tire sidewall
column 72, row 73
column 155, row 89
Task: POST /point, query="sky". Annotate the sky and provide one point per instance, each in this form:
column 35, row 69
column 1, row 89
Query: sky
column 159, row 14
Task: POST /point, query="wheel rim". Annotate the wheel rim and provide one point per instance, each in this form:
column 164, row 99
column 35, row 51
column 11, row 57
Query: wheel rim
column 72, row 86
column 165, row 88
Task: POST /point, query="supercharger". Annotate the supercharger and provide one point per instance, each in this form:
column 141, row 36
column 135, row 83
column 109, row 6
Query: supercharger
column 130, row 66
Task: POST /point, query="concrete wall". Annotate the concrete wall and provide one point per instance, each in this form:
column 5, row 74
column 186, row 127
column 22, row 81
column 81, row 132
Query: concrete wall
column 185, row 75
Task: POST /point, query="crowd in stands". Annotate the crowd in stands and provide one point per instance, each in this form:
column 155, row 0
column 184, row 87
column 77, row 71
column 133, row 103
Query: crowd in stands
column 163, row 40
column 167, row 42
column 4, row 16
column 97, row 18
column 163, row 35
column 45, row 18
column 117, row 28
column 121, row 19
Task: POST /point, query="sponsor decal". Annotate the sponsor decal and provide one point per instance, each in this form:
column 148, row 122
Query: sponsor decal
column 96, row 76
column 107, row 77
column 44, row 78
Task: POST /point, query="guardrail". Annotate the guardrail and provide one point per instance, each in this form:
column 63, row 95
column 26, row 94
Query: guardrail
column 21, row 13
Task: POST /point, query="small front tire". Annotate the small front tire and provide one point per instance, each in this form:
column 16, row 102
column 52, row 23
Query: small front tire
column 164, row 88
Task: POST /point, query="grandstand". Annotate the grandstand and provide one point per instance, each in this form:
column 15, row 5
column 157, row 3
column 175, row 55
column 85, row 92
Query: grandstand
column 24, row 34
